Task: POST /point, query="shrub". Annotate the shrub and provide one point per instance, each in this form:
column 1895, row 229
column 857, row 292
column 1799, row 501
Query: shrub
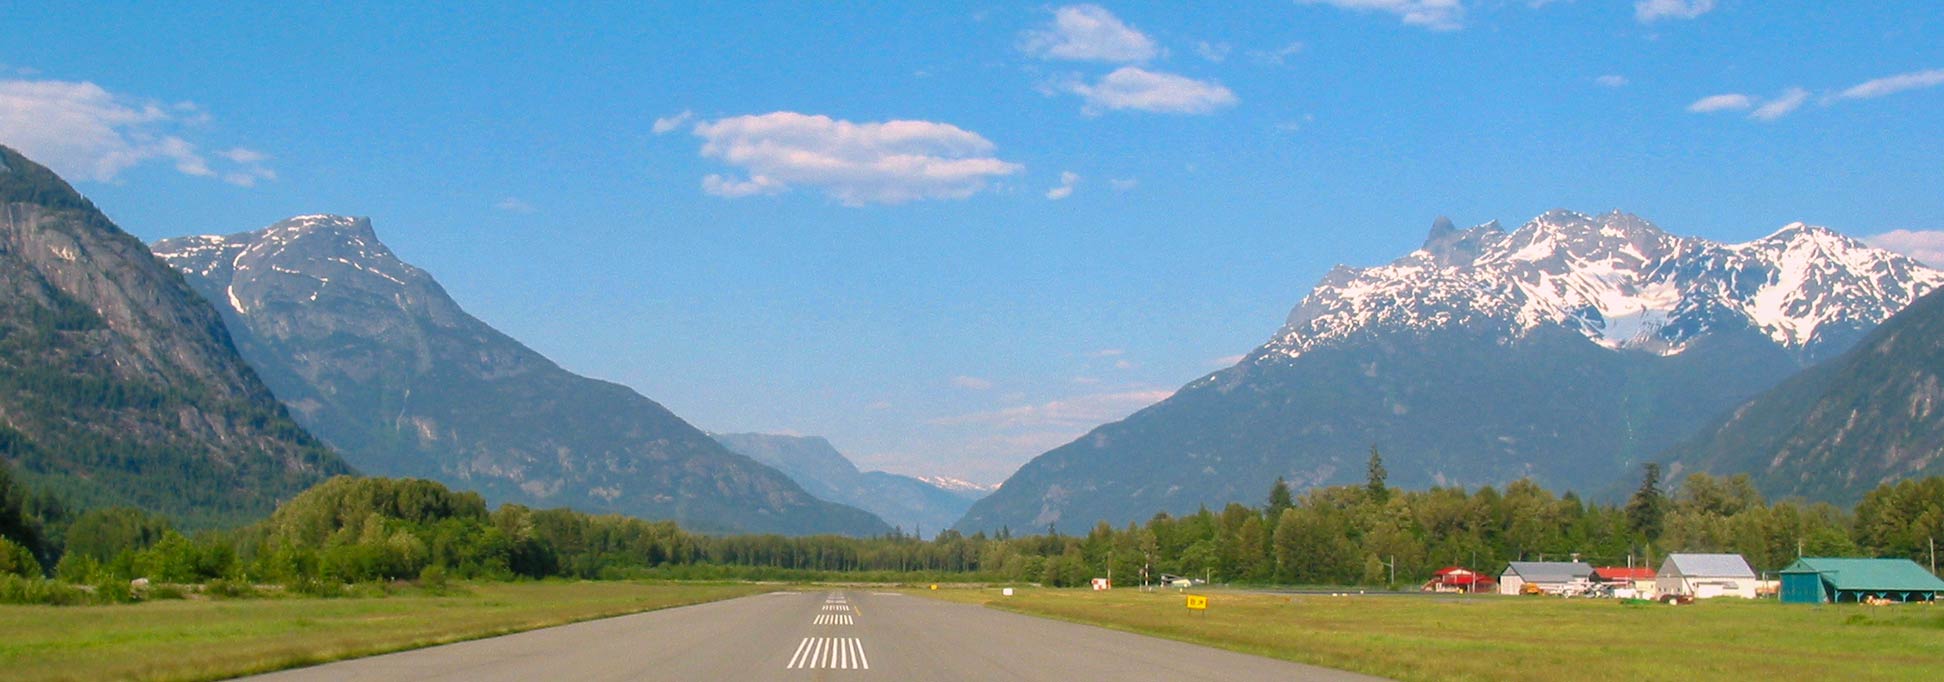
column 230, row 589
column 15, row 589
column 16, row 560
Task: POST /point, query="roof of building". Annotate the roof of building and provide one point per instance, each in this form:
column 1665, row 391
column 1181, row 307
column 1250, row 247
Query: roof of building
column 1617, row 573
column 1707, row 565
column 1550, row 571
column 1869, row 574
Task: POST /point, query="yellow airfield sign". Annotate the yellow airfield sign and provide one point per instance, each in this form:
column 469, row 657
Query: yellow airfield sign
column 1197, row 603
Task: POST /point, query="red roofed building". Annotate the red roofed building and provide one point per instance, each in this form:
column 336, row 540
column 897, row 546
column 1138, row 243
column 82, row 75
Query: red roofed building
column 1461, row 579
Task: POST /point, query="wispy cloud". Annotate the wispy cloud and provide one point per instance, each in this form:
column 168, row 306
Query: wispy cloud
column 1123, row 184
column 1612, row 81
column 1089, row 33
column 85, row 132
column 1890, row 85
column 514, row 205
column 1923, row 245
column 888, row 162
column 1065, row 189
column 1648, row 11
column 1437, row 15
column 971, row 383
column 1106, row 353
column 1214, row 52
column 1279, row 56
column 1723, row 102
column 668, row 124
column 1789, row 101
column 1084, row 411
column 1137, row 89
column 1228, row 360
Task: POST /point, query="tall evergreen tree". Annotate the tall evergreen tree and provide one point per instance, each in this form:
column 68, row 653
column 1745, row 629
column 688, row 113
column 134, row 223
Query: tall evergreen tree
column 1379, row 492
column 1279, row 499
column 1648, row 506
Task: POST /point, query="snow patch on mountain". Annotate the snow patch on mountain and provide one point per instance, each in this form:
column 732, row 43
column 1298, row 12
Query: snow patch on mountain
column 956, row 484
column 1618, row 280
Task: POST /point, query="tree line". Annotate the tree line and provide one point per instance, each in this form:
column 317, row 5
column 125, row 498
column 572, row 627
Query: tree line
column 360, row 530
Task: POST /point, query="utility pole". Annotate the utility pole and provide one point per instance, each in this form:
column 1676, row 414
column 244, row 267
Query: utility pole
column 1110, row 567
column 1933, row 543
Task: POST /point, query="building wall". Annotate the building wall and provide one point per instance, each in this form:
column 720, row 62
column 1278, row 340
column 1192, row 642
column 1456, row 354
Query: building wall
column 1510, row 583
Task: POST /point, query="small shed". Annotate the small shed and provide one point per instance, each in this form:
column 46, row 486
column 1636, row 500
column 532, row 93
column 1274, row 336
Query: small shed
column 1549, row 576
column 1706, row 575
column 1817, row 580
column 1459, row 579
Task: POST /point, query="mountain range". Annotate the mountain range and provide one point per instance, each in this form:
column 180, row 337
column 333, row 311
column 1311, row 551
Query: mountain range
column 1568, row 350
column 1834, row 432
column 118, row 384
column 912, row 504
column 374, row 357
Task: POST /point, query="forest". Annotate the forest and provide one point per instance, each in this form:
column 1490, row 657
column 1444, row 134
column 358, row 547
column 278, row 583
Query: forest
column 350, row 531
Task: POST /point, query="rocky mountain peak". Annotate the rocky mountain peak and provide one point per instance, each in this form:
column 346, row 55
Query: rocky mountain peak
column 1621, row 281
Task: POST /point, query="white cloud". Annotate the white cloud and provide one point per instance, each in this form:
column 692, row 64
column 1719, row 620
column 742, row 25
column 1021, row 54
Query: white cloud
column 971, row 383
column 242, row 155
column 1067, row 180
column 668, row 124
column 1106, row 353
column 1923, row 245
column 1713, row 103
column 1089, row 33
column 1612, row 81
column 1890, row 85
column 514, row 205
column 85, row 132
column 1790, row 100
column 1228, row 360
column 888, row 162
column 1131, row 87
column 1437, row 15
column 1214, row 52
column 1123, row 184
column 1654, row 10
column 1081, row 412
column 1278, row 56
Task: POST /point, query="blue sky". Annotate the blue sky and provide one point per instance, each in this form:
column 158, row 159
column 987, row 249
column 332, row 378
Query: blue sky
column 950, row 236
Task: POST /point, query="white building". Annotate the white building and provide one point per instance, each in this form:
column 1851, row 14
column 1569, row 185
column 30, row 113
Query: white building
column 1707, row 575
column 1549, row 576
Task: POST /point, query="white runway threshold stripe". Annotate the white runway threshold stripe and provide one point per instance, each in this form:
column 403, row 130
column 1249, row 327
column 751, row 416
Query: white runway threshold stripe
column 829, row 653
column 833, row 619
column 836, row 607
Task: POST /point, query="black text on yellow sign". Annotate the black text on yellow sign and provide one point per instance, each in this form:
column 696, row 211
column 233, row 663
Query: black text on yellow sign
column 1197, row 603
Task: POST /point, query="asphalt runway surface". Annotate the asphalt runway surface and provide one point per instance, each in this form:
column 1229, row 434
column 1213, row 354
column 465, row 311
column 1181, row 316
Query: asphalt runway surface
column 853, row 634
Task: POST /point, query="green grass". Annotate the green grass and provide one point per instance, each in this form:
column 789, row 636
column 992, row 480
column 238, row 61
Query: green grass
column 1523, row 638
column 214, row 639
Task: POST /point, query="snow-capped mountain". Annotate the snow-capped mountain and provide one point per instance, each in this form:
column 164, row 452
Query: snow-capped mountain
column 370, row 354
column 1619, row 281
column 958, row 486
column 1568, row 350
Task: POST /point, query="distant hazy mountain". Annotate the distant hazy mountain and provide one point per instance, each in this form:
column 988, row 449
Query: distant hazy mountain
column 1568, row 350
column 911, row 504
column 118, row 384
column 1870, row 416
column 372, row 355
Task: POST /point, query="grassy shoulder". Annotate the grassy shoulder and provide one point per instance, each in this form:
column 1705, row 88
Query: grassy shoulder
column 1514, row 638
column 215, row 639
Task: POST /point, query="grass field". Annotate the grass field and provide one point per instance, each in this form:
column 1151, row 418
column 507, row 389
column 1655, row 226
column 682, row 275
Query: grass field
column 1523, row 638
column 213, row 639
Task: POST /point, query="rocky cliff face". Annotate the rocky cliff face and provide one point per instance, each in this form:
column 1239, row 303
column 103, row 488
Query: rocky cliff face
column 372, row 355
column 118, row 384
